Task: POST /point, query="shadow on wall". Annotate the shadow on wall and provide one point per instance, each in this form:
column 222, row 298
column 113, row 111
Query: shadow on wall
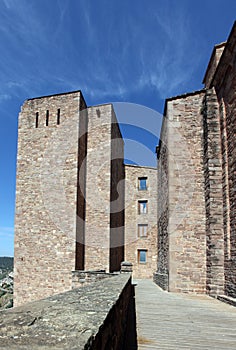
column 118, row 331
column 130, row 341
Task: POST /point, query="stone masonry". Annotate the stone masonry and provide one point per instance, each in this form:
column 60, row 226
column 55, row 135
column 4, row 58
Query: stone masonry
column 75, row 197
column 46, row 191
column 138, row 237
column 197, row 167
column 104, row 232
column 181, row 216
column 95, row 317
column 69, row 196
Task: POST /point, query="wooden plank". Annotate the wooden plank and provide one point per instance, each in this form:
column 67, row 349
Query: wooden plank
column 182, row 321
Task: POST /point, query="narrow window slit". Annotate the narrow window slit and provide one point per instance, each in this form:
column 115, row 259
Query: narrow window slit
column 47, row 117
column 58, row 116
column 37, row 120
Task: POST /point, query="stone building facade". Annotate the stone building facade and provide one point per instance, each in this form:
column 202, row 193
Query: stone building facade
column 75, row 198
column 197, row 181
column 141, row 219
column 69, row 214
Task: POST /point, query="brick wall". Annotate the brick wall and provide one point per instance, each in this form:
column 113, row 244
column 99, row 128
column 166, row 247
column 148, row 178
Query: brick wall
column 133, row 243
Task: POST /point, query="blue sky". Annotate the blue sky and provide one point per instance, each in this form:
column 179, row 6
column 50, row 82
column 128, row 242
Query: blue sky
column 137, row 52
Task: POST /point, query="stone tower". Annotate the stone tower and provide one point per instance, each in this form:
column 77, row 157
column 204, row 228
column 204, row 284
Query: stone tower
column 67, row 156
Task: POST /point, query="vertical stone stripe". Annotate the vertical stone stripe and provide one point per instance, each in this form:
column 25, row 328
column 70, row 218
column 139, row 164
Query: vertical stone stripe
column 213, row 195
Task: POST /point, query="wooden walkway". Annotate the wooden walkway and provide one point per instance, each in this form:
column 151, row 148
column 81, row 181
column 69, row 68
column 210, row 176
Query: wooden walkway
column 182, row 321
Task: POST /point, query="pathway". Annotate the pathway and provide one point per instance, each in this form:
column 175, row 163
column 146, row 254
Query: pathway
column 182, row 321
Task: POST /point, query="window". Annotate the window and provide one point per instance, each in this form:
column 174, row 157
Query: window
column 142, row 256
column 37, row 120
column 58, row 116
column 142, row 207
column 142, row 230
column 142, row 183
column 47, row 117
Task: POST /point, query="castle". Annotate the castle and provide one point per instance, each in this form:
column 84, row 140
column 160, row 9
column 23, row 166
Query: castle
column 73, row 211
column 70, row 197
column 197, row 183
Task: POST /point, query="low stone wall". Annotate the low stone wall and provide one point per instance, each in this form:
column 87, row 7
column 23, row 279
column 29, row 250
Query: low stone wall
column 82, row 278
column 97, row 316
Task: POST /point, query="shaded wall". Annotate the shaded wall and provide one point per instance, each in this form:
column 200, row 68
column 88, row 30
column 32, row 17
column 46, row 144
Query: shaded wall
column 104, row 191
column 117, row 206
column 161, row 276
column 224, row 83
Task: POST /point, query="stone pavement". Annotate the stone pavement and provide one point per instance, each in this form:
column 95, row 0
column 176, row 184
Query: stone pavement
column 182, row 321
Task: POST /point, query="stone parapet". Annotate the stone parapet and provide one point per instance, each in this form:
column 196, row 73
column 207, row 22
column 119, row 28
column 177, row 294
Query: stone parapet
column 93, row 317
column 82, row 278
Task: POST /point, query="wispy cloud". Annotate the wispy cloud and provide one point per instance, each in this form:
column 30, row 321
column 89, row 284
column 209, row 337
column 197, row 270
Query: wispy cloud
column 7, row 232
column 7, row 3
column 171, row 63
column 89, row 46
column 4, row 97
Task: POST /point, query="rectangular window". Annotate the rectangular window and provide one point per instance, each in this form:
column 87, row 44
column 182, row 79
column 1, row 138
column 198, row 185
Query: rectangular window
column 142, row 207
column 37, row 120
column 142, row 183
column 142, row 256
column 58, row 116
column 142, row 230
column 47, row 117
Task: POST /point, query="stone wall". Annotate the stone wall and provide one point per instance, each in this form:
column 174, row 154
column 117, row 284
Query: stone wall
column 199, row 234
column 82, row 278
column 96, row 316
column 161, row 275
column 182, row 213
column 103, row 205
column 46, row 195
column 213, row 195
column 70, row 194
column 134, row 243
column 213, row 63
column 117, row 206
column 186, row 226
column 224, row 83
